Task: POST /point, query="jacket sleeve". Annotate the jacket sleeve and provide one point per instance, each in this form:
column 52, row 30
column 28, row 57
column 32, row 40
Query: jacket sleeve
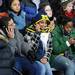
column 19, row 45
column 12, row 45
column 24, row 45
column 59, row 42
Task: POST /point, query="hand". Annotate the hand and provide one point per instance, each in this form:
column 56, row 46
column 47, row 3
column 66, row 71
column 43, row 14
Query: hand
column 10, row 33
column 71, row 41
column 43, row 60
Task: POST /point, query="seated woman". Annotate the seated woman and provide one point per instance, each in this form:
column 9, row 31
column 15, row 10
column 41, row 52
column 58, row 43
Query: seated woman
column 63, row 56
column 12, row 45
column 15, row 12
column 38, row 37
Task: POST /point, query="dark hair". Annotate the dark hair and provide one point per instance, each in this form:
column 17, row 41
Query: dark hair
column 65, row 20
column 4, row 22
column 42, row 5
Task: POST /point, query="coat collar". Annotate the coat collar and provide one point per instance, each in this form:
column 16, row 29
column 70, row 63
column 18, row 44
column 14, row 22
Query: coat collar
column 3, row 36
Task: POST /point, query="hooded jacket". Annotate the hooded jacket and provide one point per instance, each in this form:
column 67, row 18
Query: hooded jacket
column 33, row 38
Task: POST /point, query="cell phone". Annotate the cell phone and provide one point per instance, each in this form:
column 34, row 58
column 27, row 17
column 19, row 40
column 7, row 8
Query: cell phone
column 4, row 30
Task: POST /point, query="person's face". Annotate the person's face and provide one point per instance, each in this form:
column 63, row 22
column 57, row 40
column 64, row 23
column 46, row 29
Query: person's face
column 68, row 27
column 41, row 25
column 69, row 7
column 15, row 6
column 1, row 2
column 11, row 25
column 48, row 11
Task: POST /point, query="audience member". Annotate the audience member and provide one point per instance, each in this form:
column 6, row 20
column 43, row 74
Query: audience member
column 46, row 9
column 35, row 33
column 15, row 47
column 17, row 14
column 63, row 47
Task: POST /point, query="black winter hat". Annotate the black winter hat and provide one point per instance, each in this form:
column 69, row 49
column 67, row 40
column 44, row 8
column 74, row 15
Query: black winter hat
column 40, row 17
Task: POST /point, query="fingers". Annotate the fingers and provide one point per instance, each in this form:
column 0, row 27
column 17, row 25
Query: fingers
column 10, row 32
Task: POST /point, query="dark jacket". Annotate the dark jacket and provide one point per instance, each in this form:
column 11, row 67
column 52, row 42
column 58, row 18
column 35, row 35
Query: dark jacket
column 9, row 49
column 6, row 57
column 18, row 44
column 31, row 10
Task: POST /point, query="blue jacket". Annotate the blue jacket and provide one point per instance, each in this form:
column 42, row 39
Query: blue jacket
column 18, row 19
column 30, row 9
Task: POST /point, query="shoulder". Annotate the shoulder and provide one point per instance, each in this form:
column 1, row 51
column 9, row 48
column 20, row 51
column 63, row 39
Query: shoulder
column 56, row 29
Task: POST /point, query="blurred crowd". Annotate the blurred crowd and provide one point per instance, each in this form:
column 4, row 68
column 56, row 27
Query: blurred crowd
column 36, row 36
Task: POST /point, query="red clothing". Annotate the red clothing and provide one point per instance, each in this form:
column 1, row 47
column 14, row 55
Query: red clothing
column 70, row 14
column 3, row 14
